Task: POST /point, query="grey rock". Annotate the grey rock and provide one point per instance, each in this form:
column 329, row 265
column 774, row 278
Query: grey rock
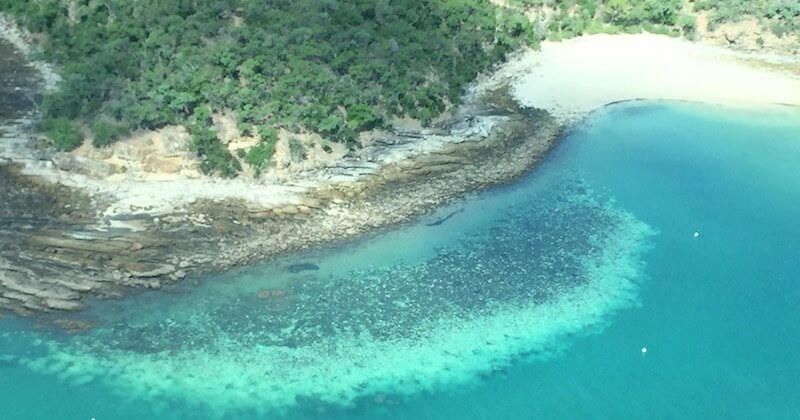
column 152, row 270
column 127, row 152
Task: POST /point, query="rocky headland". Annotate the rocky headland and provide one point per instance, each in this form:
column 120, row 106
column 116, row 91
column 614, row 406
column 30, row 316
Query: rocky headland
column 98, row 222
column 94, row 223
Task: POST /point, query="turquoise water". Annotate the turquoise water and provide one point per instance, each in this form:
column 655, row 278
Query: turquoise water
column 529, row 301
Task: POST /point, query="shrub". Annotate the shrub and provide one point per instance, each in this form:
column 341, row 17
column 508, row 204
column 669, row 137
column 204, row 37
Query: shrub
column 361, row 117
column 260, row 155
column 61, row 133
column 216, row 158
column 268, row 134
column 687, row 24
column 105, row 133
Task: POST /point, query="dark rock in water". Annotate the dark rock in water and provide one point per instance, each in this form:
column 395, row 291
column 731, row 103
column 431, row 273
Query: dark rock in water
column 73, row 326
column 271, row 293
column 297, row 268
column 444, row 219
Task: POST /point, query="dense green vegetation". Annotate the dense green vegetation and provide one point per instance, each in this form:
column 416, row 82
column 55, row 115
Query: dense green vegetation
column 576, row 17
column 780, row 16
column 62, row 133
column 673, row 17
column 105, row 133
column 260, row 155
column 327, row 66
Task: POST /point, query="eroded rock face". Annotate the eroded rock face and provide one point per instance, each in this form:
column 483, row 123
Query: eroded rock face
column 85, row 166
column 162, row 152
column 128, row 152
column 53, row 253
column 162, row 165
column 748, row 34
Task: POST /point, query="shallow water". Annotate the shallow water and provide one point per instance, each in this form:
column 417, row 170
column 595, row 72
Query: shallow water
column 531, row 301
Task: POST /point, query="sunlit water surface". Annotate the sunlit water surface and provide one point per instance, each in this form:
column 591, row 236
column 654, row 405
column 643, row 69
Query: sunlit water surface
column 667, row 226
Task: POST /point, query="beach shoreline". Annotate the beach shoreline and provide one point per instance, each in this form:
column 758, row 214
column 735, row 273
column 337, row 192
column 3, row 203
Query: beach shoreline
column 647, row 67
column 118, row 231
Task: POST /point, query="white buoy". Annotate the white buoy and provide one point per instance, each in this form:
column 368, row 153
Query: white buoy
column 696, row 234
column 644, row 350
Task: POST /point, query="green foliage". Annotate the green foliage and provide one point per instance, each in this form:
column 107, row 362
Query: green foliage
column 105, row 133
column 361, row 118
column 576, row 17
column 332, row 67
column 216, row 158
column 727, row 10
column 629, row 13
column 260, row 155
column 61, row 133
column 687, row 24
column 780, row 16
column 335, row 68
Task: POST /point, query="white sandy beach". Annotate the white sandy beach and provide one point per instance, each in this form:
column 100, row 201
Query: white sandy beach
column 573, row 77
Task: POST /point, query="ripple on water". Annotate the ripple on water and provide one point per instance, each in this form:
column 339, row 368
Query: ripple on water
column 556, row 264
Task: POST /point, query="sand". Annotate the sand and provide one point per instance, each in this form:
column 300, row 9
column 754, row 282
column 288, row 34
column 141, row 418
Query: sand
column 574, row 77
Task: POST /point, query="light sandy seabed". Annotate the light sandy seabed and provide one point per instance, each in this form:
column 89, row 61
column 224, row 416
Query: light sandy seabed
column 574, row 77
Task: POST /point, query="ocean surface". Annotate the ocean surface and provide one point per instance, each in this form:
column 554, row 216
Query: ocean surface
column 650, row 268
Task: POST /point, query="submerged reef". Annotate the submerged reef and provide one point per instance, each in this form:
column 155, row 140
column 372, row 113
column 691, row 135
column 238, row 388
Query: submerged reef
column 553, row 264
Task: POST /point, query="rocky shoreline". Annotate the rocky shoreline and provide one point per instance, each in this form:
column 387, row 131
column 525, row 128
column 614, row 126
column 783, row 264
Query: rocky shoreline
column 97, row 223
column 60, row 245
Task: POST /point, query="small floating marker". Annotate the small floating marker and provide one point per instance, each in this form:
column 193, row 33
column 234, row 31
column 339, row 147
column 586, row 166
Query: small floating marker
column 696, row 234
column 644, row 350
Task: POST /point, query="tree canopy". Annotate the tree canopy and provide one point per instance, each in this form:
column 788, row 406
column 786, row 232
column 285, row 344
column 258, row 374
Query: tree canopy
column 328, row 66
column 332, row 67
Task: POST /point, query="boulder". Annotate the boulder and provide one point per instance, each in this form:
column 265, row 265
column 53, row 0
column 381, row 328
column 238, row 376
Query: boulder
column 63, row 305
column 151, row 270
column 92, row 167
column 65, row 161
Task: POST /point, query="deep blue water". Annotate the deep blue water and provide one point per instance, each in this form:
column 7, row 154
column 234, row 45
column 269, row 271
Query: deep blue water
column 532, row 301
